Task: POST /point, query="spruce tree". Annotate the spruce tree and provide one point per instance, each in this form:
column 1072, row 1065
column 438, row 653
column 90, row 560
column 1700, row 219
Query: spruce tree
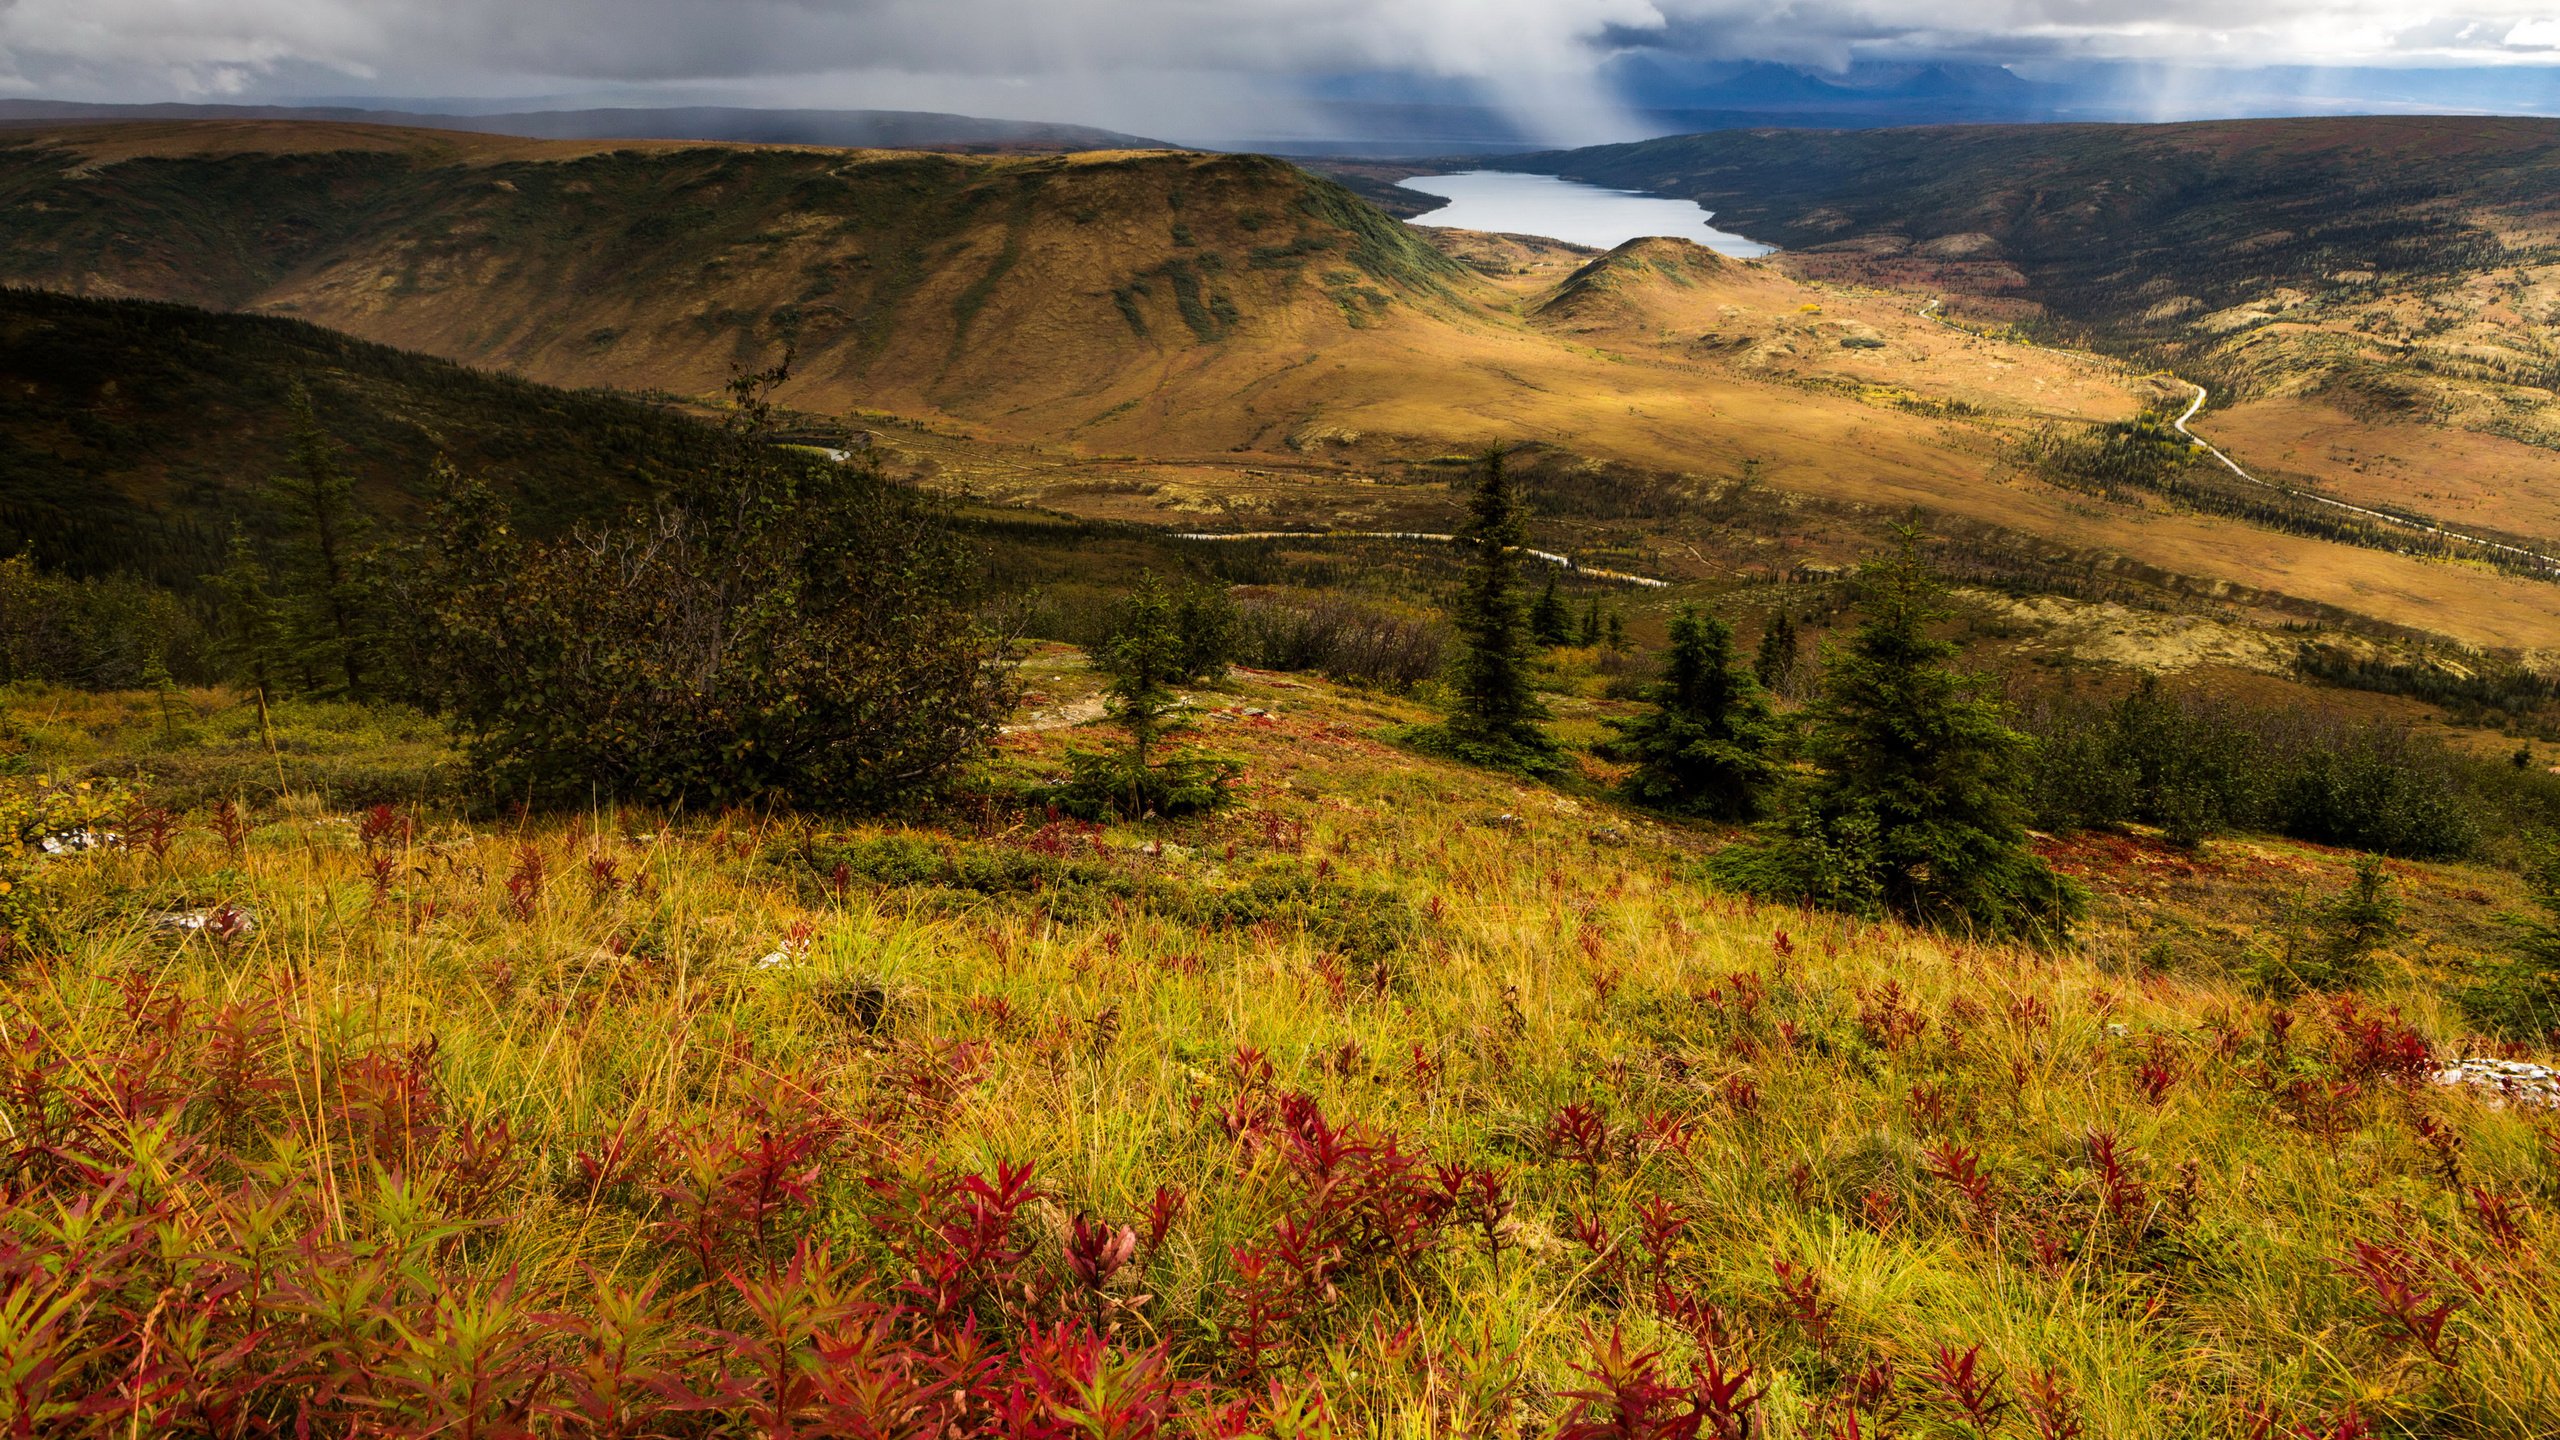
column 1707, row 747
column 1549, row 620
column 1211, row 630
column 1775, row 664
column 1591, row 622
column 324, row 603
column 249, row 622
column 1145, row 658
column 1914, row 803
column 1497, row 715
column 1614, row 630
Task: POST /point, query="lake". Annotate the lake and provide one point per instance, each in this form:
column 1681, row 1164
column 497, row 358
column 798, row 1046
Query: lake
column 1512, row 204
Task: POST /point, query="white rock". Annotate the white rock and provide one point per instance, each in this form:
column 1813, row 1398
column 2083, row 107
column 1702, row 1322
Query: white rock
column 2522, row 1082
column 244, row 921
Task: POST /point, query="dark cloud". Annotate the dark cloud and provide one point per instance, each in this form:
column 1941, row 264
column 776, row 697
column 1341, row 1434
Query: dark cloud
column 1160, row 63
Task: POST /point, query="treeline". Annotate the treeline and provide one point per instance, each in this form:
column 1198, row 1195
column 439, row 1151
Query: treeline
column 768, row 626
column 113, row 632
column 2487, row 691
column 2198, row 767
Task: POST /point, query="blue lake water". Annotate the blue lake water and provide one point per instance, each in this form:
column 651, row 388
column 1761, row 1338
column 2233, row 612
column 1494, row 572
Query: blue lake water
column 1512, row 204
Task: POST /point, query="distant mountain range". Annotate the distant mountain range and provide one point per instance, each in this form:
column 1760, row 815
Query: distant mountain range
column 852, row 129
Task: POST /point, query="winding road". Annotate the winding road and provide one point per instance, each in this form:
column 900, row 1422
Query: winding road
column 1564, row 561
column 2547, row 562
column 2194, row 407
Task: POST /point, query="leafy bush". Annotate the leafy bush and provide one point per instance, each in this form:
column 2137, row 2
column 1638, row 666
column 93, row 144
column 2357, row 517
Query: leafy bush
column 2196, row 766
column 778, row 628
column 1343, row 641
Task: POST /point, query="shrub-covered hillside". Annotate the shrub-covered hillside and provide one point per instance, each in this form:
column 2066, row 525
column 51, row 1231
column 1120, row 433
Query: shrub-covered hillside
column 1400, row 1101
column 138, row 433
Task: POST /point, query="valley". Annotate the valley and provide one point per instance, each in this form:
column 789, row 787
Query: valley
column 1189, row 339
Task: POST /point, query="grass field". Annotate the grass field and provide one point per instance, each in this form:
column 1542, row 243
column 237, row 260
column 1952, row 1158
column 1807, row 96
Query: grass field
column 1378, row 1107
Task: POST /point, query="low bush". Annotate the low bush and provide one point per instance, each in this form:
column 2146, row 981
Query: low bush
column 1342, row 640
column 1101, row 785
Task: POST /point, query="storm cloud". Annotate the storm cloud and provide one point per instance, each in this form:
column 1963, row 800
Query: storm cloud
column 1161, row 62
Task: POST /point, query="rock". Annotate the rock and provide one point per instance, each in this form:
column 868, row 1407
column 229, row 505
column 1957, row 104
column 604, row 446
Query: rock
column 774, row 961
column 1608, row 835
column 72, row 842
column 2517, row 1081
column 226, row 922
column 1507, row 821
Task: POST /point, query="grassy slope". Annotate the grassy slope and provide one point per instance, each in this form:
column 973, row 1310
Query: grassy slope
column 137, row 433
column 1782, row 1080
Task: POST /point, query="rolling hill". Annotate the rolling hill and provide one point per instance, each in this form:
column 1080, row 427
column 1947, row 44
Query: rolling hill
column 1163, row 336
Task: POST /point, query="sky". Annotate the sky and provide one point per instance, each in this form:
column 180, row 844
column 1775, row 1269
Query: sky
column 1187, row 67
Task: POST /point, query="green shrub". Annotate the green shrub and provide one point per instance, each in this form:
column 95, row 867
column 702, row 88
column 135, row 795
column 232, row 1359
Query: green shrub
column 777, row 629
column 1101, row 786
column 2197, row 767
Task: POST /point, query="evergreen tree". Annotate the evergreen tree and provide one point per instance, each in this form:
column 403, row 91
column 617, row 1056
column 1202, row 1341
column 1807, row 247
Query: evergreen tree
column 1154, row 645
column 1145, row 658
column 324, row 606
column 1591, row 622
column 1496, row 721
column 1914, row 804
column 1614, row 630
column 249, row 634
column 1775, row 664
column 1549, row 620
column 1707, row 746
column 1211, row 632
